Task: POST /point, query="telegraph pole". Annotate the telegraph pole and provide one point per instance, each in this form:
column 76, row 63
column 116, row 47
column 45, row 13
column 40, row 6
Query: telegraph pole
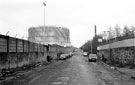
column 95, row 43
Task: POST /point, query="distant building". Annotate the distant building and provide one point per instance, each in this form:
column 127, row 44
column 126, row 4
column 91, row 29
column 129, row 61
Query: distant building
column 49, row 35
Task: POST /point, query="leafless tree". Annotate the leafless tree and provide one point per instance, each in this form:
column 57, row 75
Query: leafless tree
column 117, row 30
column 112, row 32
column 127, row 31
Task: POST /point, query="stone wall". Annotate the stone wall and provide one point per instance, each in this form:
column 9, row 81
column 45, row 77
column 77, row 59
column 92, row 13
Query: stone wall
column 124, row 56
column 122, row 52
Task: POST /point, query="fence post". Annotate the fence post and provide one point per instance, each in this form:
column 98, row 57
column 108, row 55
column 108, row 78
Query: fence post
column 16, row 41
column 7, row 45
column 33, row 47
column 134, row 56
column 28, row 47
column 16, row 45
column 23, row 45
column 7, row 37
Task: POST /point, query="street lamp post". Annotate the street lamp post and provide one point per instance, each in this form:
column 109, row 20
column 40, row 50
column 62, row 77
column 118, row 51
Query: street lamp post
column 109, row 43
column 7, row 33
column 15, row 35
column 44, row 20
column 22, row 37
column 44, row 12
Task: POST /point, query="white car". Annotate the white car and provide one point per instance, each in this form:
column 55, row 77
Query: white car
column 63, row 56
column 85, row 54
column 92, row 57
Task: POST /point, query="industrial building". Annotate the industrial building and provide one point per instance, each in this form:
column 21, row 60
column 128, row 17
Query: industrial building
column 49, row 35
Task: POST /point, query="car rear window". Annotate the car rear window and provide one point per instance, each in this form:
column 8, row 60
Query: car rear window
column 93, row 55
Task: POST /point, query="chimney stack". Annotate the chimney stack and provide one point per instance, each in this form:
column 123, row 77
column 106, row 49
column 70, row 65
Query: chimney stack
column 95, row 30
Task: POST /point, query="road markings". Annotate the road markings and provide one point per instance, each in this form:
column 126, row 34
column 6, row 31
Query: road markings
column 32, row 75
column 61, row 81
column 63, row 78
column 67, row 69
column 94, row 63
column 56, row 83
column 35, row 78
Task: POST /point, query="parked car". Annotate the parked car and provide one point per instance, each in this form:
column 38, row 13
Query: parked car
column 92, row 57
column 85, row 54
column 63, row 56
column 71, row 54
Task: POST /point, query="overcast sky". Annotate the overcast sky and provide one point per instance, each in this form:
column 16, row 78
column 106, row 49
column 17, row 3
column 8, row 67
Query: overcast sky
column 79, row 16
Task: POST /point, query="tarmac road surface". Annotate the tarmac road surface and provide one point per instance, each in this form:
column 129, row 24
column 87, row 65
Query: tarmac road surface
column 74, row 71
